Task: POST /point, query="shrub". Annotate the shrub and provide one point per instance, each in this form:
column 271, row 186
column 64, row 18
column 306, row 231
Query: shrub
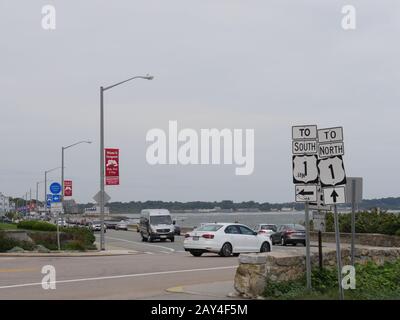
column 367, row 222
column 74, row 245
column 83, row 235
column 8, row 243
column 36, row 225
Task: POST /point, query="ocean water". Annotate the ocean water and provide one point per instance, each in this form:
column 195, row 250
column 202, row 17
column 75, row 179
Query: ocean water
column 250, row 219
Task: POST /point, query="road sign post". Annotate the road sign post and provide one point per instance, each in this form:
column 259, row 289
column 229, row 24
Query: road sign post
column 305, row 177
column 338, row 252
column 308, row 255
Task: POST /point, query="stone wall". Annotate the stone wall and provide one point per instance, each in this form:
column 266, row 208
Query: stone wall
column 19, row 235
column 255, row 268
column 367, row 239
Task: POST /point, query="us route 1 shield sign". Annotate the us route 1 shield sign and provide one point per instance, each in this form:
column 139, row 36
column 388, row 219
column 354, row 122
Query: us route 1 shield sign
column 331, row 171
column 335, row 195
column 306, row 193
column 305, row 169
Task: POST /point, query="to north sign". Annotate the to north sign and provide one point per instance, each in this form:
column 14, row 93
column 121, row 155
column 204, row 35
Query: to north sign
column 305, row 193
column 308, row 132
column 305, row 169
column 330, row 135
column 326, row 150
column 331, row 171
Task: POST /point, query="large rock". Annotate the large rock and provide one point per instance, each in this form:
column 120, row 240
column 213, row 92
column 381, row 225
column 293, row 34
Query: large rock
column 16, row 249
column 41, row 249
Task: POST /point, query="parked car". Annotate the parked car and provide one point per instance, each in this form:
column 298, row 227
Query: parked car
column 96, row 226
column 5, row 220
column 122, row 225
column 289, row 234
column 110, row 224
column 266, row 229
column 226, row 239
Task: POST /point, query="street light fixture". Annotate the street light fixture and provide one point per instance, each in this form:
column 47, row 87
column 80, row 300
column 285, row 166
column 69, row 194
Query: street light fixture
column 102, row 89
column 62, row 165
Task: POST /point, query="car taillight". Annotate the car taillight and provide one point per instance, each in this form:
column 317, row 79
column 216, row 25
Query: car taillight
column 187, row 235
column 262, row 231
column 208, row 236
column 290, row 231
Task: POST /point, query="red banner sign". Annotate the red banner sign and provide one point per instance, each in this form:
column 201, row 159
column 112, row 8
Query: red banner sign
column 67, row 188
column 112, row 166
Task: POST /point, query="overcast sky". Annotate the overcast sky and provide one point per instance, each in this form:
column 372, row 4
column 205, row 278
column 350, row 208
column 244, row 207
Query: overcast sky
column 262, row 65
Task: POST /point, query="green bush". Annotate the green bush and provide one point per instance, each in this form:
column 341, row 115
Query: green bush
column 372, row 282
column 367, row 222
column 36, row 225
column 74, row 245
column 7, row 243
column 83, row 235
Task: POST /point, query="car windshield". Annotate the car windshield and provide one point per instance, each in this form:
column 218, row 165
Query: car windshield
column 267, row 227
column 296, row 226
column 154, row 220
column 209, row 227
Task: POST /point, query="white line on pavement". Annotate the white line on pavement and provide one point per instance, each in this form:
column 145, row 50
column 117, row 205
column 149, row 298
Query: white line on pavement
column 117, row 277
column 140, row 243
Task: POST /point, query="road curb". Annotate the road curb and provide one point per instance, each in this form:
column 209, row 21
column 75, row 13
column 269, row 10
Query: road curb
column 69, row 254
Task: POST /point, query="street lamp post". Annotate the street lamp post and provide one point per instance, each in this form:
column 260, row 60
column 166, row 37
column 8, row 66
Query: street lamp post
column 102, row 89
column 62, row 166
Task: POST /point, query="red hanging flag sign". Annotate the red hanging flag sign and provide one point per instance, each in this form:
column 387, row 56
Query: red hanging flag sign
column 67, row 188
column 112, row 166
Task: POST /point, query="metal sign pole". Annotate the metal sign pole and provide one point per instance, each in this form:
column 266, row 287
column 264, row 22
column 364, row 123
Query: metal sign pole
column 353, row 219
column 338, row 252
column 308, row 258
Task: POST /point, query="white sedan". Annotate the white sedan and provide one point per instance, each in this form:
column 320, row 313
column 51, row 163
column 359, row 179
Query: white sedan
column 226, row 239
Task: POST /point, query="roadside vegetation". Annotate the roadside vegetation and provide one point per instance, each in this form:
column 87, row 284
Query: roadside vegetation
column 8, row 226
column 44, row 234
column 367, row 222
column 373, row 282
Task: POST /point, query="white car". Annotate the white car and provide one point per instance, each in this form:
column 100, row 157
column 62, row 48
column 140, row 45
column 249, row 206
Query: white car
column 266, row 229
column 122, row 225
column 226, row 239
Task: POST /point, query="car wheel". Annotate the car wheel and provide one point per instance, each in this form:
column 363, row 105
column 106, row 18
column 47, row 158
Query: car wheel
column 172, row 239
column 304, row 243
column 226, row 250
column 265, row 247
column 196, row 253
column 150, row 239
column 283, row 242
column 236, row 254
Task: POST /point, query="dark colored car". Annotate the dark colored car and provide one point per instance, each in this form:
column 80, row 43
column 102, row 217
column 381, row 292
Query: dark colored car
column 177, row 230
column 5, row 220
column 289, row 234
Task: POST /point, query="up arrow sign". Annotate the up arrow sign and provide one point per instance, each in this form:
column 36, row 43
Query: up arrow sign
column 334, row 196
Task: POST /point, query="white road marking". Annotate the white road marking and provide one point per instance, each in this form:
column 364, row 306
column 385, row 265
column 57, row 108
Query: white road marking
column 140, row 243
column 118, row 277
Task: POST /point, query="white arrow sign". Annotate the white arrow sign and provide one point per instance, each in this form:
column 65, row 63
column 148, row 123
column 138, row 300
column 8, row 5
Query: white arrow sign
column 331, row 171
column 320, row 203
column 334, row 195
column 305, row 169
column 306, row 193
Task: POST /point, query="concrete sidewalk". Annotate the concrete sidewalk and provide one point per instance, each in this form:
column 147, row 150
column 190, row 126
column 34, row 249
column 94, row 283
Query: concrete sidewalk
column 222, row 290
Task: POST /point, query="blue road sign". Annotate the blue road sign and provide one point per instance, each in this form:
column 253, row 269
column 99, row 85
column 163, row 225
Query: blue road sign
column 49, row 198
column 56, row 198
column 55, row 188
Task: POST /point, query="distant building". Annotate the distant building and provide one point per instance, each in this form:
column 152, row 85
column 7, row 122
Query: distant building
column 71, row 207
column 5, row 205
column 96, row 210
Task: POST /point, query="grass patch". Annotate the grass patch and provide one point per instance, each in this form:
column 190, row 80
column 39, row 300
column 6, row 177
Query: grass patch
column 8, row 226
column 373, row 282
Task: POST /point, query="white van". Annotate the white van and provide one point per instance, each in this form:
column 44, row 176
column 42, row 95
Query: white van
column 156, row 224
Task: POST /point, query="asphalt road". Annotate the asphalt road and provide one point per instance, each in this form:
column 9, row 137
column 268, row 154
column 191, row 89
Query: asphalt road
column 146, row 275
